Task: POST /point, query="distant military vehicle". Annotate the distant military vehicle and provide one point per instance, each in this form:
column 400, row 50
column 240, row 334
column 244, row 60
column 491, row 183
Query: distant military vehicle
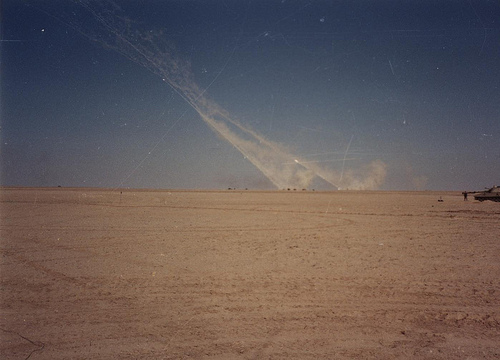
column 492, row 194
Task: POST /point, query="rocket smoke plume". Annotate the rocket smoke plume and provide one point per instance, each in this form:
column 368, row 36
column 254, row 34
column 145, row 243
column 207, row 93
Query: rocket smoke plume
column 151, row 51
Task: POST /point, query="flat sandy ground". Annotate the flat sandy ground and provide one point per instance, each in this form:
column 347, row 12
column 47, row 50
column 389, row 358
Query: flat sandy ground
column 95, row 274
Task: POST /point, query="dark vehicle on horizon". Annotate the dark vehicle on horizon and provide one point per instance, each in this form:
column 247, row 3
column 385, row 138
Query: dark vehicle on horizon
column 492, row 194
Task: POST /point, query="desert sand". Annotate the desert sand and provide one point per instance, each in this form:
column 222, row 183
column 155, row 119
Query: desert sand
column 102, row 274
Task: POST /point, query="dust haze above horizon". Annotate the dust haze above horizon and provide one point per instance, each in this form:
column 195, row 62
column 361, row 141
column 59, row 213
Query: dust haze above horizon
column 393, row 95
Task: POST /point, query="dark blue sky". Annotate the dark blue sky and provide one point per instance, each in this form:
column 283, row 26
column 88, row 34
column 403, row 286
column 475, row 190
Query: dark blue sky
column 412, row 85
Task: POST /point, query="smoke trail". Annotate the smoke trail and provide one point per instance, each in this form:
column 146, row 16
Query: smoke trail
column 345, row 155
column 151, row 51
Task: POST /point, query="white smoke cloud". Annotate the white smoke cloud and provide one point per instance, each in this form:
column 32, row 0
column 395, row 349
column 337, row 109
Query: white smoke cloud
column 366, row 178
column 151, row 50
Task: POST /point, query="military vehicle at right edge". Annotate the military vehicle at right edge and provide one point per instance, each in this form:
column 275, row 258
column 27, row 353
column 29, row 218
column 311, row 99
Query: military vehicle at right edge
column 492, row 194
